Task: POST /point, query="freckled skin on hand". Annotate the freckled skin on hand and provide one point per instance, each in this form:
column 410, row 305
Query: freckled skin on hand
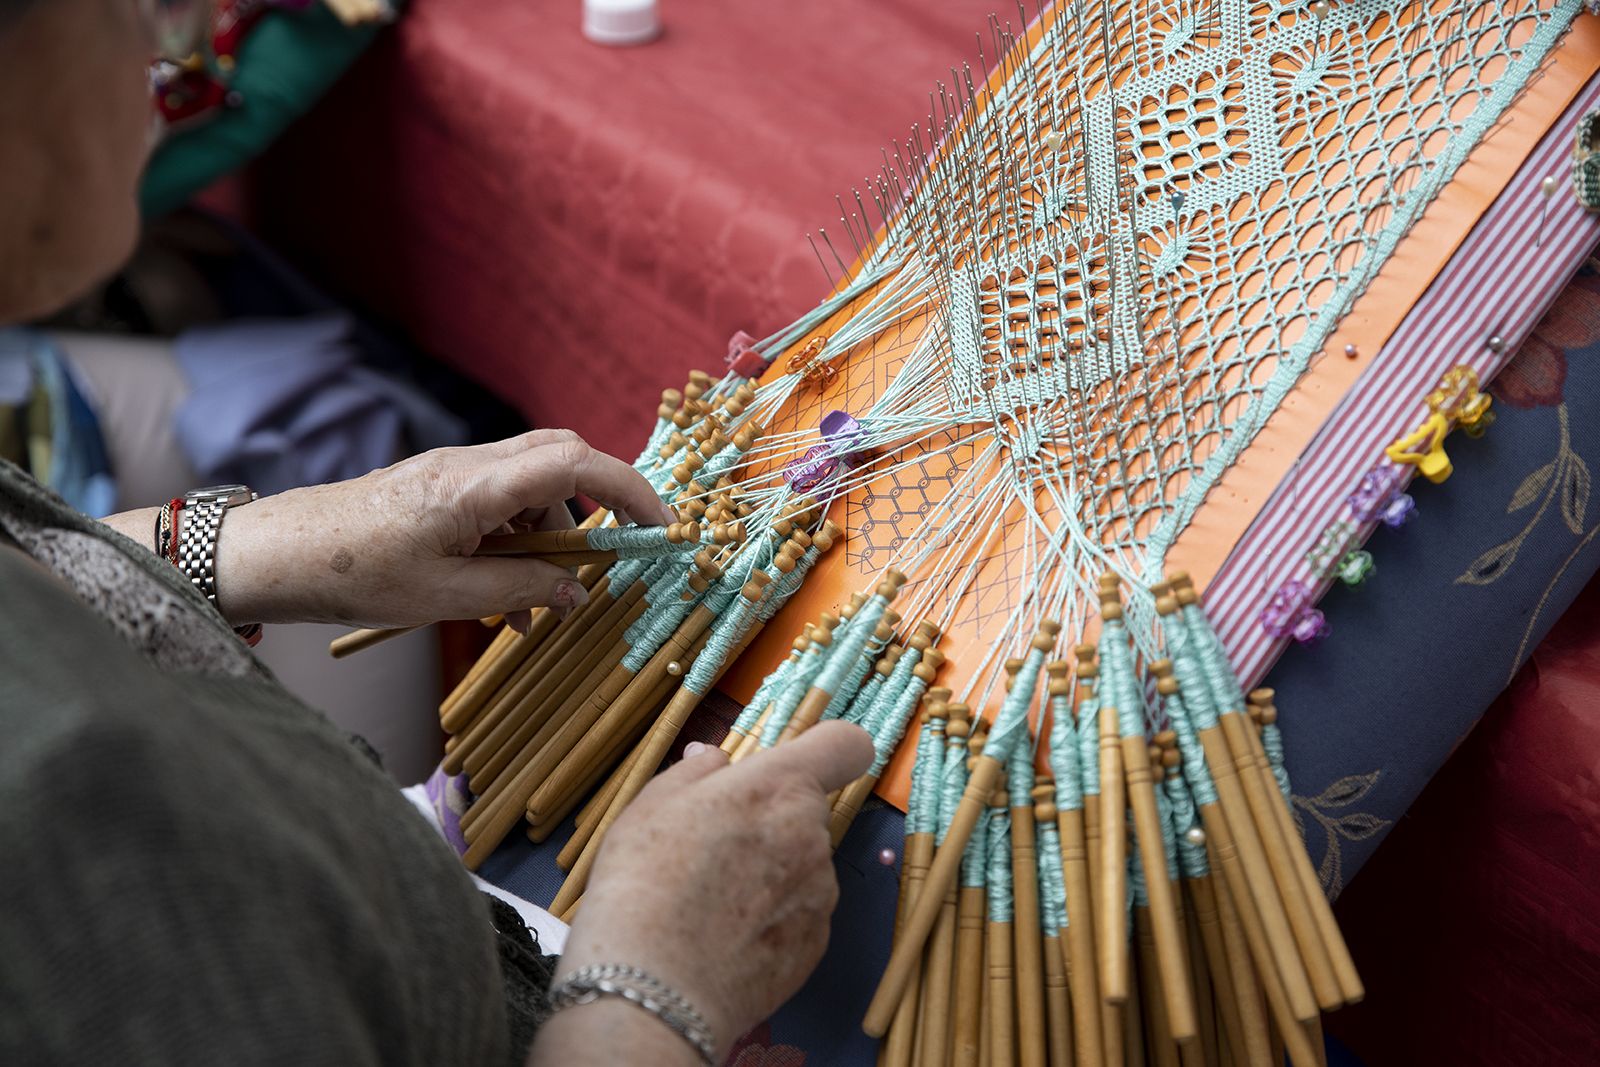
column 341, row 561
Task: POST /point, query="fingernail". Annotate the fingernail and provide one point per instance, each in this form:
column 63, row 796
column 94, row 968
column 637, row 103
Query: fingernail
column 622, row 517
column 668, row 516
column 569, row 595
column 693, row 749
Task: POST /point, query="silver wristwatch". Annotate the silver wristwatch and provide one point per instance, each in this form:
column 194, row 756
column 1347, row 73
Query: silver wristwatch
column 197, row 541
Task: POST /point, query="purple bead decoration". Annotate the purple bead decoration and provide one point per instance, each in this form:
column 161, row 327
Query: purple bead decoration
column 887, row 857
column 1374, row 493
column 1284, row 610
column 1290, row 614
column 1398, row 511
column 1311, row 627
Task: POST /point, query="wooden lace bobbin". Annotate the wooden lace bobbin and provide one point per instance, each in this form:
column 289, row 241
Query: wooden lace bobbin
column 1112, row 1024
column 1078, row 940
column 546, row 739
column 1256, row 892
column 592, row 783
column 593, row 808
column 1160, row 1049
column 594, row 739
column 503, row 639
column 633, row 701
column 1027, row 954
column 638, row 688
column 1262, row 798
column 1111, row 937
column 823, row 634
column 544, row 711
column 938, row 969
column 542, row 822
column 621, row 741
column 1166, row 764
column 786, row 560
column 898, row 1048
column 565, row 678
column 1344, row 966
column 1173, row 968
column 848, row 806
column 534, row 670
column 1235, row 897
column 1057, row 999
column 468, row 701
column 682, row 704
column 845, row 804
column 588, row 816
column 941, row 876
column 464, row 709
column 361, row 640
column 1000, row 943
column 1244, row 1027
column 815, row 702
column 971, row 921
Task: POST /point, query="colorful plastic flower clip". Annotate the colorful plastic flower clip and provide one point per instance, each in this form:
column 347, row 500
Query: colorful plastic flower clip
column 1376, row 490
column 1399, row 511
column 1356, row 567
column 1289, row 614
column 1423, row 448
column 1459, row 399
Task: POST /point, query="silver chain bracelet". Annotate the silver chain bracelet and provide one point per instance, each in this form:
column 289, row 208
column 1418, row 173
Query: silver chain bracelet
column 588, row 984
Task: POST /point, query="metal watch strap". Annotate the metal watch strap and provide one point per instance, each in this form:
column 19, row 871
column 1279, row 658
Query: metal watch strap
column 637, row 987
column 201, row 518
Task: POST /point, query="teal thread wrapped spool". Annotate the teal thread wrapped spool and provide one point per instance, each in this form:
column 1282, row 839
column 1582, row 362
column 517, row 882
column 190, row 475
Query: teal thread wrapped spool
column 1009, row 726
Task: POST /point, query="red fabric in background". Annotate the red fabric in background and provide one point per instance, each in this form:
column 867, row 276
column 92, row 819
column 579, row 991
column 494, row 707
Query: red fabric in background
column 1477, row 923
column 577, row 226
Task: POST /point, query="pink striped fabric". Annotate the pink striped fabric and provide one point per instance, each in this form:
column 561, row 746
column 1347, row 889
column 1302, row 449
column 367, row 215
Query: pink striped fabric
column 1500, row 282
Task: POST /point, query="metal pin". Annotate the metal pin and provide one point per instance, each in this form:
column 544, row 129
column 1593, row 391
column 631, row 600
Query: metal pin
column 1548, row 188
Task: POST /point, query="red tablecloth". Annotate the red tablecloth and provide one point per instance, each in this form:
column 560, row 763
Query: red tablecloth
column 577, row 226
column 1477, row 924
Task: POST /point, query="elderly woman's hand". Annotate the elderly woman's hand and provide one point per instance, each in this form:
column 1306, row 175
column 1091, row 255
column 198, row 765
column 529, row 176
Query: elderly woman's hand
column 394, row 548
column 718, row 881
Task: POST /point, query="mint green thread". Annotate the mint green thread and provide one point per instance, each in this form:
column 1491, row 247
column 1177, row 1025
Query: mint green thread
column 1064, row 755
column 916, row 805
column 1180, row 806
column 952, row 782
column 1019, row 776
column 1001, row 906
column 1169, row 840
column 638, row 542
column 976, row 856
column 1052, row 882
column 1195, row 768
column 1272, row 743
column 1089, row 739
column 1226, row 693
column 849, row 640
column 792, row 693
column 1187, row 669
column 887, row 736
column 1011, row 725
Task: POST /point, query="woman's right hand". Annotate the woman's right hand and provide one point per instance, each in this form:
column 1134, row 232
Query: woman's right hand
column 719, row 879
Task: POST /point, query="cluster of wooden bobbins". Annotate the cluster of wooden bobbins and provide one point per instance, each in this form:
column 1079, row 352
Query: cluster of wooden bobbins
column 1148, row 901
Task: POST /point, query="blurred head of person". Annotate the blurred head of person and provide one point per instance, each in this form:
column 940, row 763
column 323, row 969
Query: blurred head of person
column 75, row 129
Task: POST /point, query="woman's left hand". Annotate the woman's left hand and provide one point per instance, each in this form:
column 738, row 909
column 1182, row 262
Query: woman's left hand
column 395, row 547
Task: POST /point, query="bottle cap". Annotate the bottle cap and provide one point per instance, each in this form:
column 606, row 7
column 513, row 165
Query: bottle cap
column 621, row 22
